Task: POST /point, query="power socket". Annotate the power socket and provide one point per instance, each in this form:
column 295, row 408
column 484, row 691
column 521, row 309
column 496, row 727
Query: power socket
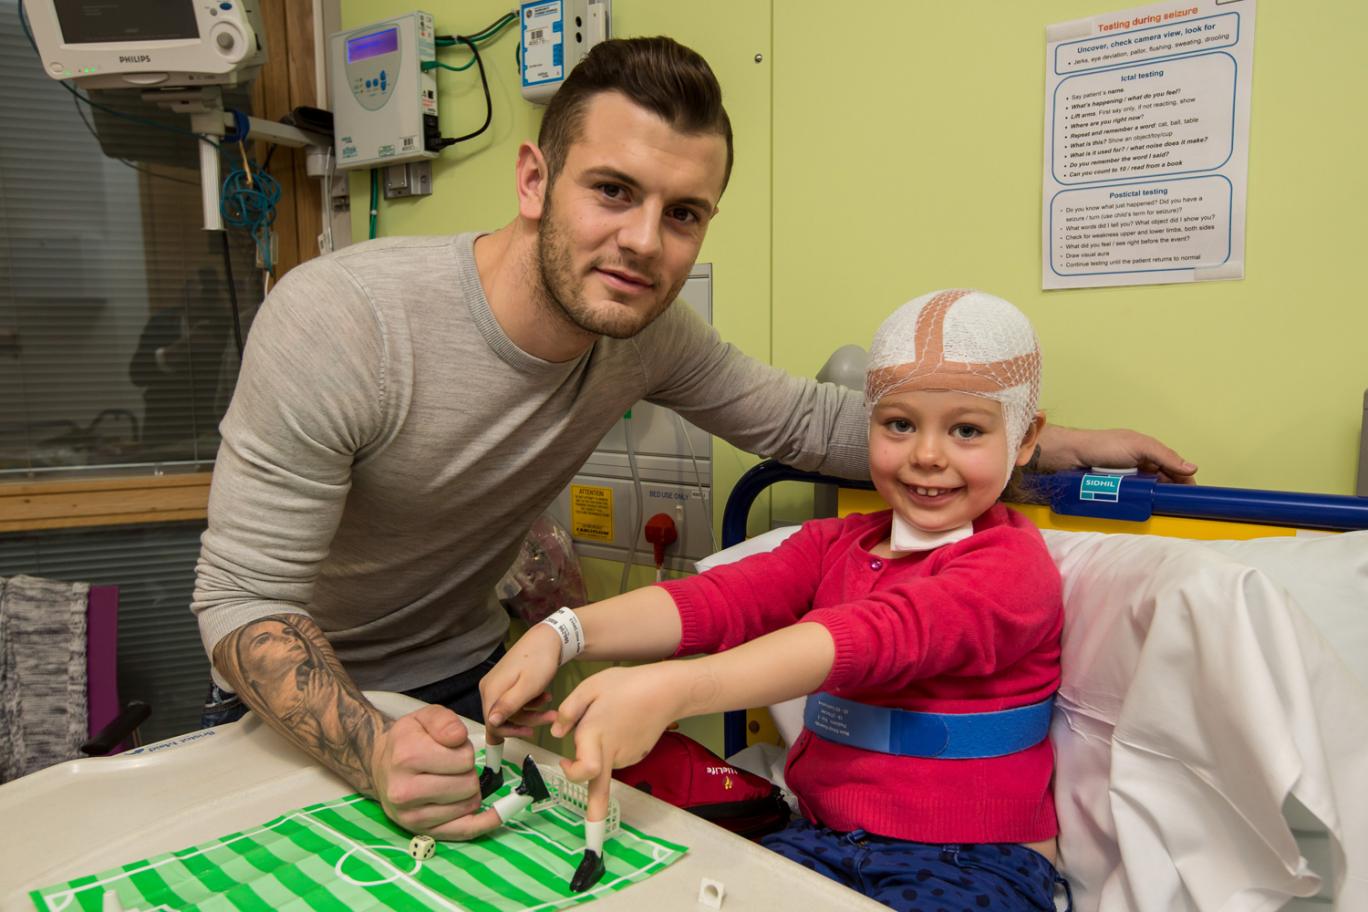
column 677, row 502
column 408, row 179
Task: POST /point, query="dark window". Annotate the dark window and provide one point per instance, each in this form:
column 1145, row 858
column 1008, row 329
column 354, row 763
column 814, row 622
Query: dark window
column 117, row 330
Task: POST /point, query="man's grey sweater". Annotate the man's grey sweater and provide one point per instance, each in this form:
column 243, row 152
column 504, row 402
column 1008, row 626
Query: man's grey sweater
column 388, row 447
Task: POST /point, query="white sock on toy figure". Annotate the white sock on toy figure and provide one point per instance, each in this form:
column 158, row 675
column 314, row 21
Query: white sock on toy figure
column 491, row 777
column 591, row 866
column 531, row 789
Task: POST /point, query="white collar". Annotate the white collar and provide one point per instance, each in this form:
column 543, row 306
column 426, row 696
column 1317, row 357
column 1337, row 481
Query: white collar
column 907, row 538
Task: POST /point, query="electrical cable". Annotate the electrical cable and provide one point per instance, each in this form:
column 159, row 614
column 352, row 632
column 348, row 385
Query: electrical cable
column 374, row 202
column 248, row 201
column 232, row 293
column 698, row 481
column 179, row 131
column 485, row 34
column 80, row 112
column 640, row 500
column 438, row 65
column 491, row 31
column 325, row 240
column 489, row 102
column 472, row 42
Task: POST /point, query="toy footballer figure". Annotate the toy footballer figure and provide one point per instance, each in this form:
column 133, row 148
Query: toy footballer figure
column 530, row 791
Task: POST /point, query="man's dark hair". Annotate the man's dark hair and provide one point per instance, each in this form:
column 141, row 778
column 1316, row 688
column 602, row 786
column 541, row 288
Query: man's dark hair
column 659, row 74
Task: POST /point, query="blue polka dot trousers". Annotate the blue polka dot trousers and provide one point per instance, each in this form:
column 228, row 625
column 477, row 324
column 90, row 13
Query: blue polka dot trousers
column 917, row 877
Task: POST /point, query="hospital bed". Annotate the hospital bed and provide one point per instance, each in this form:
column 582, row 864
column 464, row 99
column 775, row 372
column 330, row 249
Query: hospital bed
column 1211, row 729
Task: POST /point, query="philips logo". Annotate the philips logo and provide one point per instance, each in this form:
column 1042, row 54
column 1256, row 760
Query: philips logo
column 135, row 58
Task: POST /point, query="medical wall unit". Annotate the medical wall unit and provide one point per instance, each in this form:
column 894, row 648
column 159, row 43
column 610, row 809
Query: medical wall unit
column 129, row 43
column 384, row 100
column 555, row 35
column 673, row 464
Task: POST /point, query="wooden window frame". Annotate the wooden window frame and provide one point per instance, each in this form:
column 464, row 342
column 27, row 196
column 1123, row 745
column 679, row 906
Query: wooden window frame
column 103, row 501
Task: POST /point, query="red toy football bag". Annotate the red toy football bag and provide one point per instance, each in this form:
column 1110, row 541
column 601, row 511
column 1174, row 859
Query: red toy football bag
column 682, row 772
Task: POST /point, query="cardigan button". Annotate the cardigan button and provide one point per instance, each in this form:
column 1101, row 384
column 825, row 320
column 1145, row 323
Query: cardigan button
column 876, row 564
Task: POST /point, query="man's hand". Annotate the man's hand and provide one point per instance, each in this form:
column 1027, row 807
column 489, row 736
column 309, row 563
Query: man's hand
column 424, row 773
column 1063, row 448
column 420, row 768
column 514, row 689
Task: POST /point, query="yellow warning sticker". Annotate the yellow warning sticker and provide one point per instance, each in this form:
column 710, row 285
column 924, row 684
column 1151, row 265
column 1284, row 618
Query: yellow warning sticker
column 591, row 513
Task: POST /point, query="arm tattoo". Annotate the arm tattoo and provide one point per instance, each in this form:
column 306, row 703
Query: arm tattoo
column 285, row 670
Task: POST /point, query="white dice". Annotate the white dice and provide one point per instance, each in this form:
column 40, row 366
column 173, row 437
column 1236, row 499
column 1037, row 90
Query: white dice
column 422, row 847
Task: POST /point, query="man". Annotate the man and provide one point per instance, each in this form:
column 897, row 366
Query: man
column 407, row 407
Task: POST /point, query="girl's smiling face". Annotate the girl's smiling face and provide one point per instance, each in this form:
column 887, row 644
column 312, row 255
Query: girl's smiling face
column 939, row 457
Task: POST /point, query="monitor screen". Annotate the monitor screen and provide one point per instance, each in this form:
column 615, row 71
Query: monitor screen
column 119, row 21
column 372, row 45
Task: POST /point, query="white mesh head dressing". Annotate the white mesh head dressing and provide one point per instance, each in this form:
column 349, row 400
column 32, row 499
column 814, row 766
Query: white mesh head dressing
column 964, row 341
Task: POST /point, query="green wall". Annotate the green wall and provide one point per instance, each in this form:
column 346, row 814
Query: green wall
column 886, row 186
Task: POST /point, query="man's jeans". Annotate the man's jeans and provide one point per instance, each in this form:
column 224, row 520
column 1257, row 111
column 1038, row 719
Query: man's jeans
column 459, row 693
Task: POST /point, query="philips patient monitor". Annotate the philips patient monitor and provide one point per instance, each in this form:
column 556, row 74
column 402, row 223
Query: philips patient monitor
column 107, row 44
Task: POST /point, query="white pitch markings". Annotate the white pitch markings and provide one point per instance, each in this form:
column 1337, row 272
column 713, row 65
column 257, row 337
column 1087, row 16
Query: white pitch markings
column 441, row 901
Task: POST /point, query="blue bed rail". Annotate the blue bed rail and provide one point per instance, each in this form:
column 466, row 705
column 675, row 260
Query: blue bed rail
column 1134, row 498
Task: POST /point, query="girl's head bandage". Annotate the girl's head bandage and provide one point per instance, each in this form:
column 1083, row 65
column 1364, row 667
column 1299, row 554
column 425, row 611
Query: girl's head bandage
column 962, row 341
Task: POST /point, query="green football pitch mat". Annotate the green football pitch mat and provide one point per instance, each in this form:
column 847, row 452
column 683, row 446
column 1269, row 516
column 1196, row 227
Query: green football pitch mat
column 346, row 855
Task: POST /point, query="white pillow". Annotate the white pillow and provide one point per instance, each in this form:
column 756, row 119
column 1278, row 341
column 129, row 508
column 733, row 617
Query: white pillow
column 765, row 541
column 1196, row 697
column 1327, row 575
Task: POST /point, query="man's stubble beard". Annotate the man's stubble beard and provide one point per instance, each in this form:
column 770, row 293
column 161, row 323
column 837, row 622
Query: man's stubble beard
column 562, row 296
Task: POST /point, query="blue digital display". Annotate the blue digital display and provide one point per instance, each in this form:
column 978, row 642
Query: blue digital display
column 372, row 45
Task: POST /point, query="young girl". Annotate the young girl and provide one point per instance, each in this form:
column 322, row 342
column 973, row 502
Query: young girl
column 928, row 636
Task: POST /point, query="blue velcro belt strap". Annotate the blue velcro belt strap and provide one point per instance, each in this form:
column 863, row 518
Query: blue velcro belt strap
column 945, row 736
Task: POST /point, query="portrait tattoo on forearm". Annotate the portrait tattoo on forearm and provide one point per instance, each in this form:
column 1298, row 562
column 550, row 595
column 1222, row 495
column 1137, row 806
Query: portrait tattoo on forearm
column 284, row 668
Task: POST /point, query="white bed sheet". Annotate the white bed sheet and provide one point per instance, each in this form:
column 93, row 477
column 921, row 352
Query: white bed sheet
column 1173, row 803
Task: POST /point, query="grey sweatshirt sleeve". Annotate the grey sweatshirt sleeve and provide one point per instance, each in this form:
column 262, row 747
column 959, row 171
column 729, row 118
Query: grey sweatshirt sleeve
column 809, row 425
column 309, row 400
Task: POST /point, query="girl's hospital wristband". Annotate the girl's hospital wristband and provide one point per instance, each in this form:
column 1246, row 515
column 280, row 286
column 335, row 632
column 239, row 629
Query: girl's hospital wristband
column 571, row 632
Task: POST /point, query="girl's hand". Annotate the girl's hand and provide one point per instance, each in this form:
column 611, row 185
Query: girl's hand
column 617, row 715
column 514, row 690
